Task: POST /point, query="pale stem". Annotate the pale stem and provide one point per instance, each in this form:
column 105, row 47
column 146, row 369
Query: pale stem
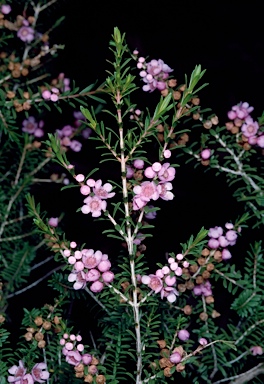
column 211, row 343
column 120, row 294
column 12, row 238
column 238, row 358
column 253, row 326
column 245, row 377
column 97, row 300
column 129, row 241
column 228, row 278
column 33, row 284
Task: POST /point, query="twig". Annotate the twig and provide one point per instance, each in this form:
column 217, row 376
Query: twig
column 228, row 278
column 244, row 377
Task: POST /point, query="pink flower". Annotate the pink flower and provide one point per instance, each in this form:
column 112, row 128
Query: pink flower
column 241, row 111
column 223, row 242
column 129, row 172
column 108, row 276
column 250, row 127
column 260, row 141
column 92, row 275
column 164, row 191
column 150, row 173
column 29, row 125
column 231, row 235
column 27, row 379
column 104, row 266
column 175, row 358
column 154, row 74
column 97, row 286
column 256, row 350
column 18, row 372
column 5, row 9
column 73, row 357
column 75, row 146
column 53, row 221
column 91, row 259
column 166, row 173
column 103, row 191
column 203, row 341
column 144, row 192
column 94, row 205
column 46, row 94
column 215, row 232
column 206, row 154
column 139, row 164
column 154, row 282
column 151, row 215
column 39, row 372
column 183, row 335
column 79, row 278
column 213, row 243
column 26, row 34
column 226, row 255
column 86, row 358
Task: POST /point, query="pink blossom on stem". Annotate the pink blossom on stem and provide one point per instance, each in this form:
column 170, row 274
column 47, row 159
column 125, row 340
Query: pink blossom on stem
column 175, row 358
column 215, row 232
column 164, row 191
column 260, row 141
column 91, row 259
column 79, row 278
column 94, row 205
column 203, row 341
column 242, row 110
column 39, row 372
column 86, row 358
column 75, row 146
column 213, row 243
column 92, row 275
column 250, row 127
column 108, row 276
column 25, row 34
column 154, row 282
column 103, row 191
column 226, row 255
column 53, row 221
column 5, row 9
column 17, row 372
column 256, row 350
column 166, row 173
column 97, row 286
column 183, row 335
column 74, row 357
column 206, row 154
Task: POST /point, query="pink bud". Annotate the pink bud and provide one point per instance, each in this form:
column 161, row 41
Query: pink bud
column 203, row 341
column 206, row 154
column 73, row 244
column 175, row 358
column 156, row 167
column 183, row 335
column 167, row 154
column 226, row 255
column 72, row 337
column 149, row 173
column 85, row 190
column 97, row 286
column 139, row 164
column 170, row 280
column 108, row 276
column 86, row 358
column 179, row 256
column 80, row 177
column 104, row 266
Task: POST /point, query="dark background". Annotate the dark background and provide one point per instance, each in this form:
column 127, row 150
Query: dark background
column 226, row 38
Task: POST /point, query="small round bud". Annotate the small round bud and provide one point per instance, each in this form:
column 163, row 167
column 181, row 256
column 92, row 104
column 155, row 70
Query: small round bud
column 203, row 316
column 42, row 344
column 207, row 124
column 187, row 309
column 38, row 321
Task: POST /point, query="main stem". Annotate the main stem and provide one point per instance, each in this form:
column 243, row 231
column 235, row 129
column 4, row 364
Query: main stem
column 129, row 241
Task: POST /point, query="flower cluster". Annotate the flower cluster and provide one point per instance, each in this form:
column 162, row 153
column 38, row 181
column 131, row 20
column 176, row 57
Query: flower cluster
column 219, row 239
column 85, row 365
column 88, row 267
column 241, row 119
column 96, row 194
column 160, row 186
column 38, row 374
column 33, row 127
column 164, row 280
column 154, row 74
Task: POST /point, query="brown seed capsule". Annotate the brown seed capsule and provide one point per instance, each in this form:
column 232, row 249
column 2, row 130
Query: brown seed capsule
column 234, row 130
column 19, row 108
column 193, row 268
column 207, row 124
column 205, row 162
column 88, row 378
column 39, row 336
column 26, row 105
column 79, row 368
column 195, row 100
column 172, row 83
column 215, row 314
column 16, row 73
column 3, row 55
column 42, row 344
column 164, row 92
column 203, row 316
column 199, row 280
column 238, row 122
column 100, row 379
column 47, row 325
column 229, row 125
column 26, row 95
column 182, row 87
column 161, row 343
column 30, row 329
column 185, row 137
column 246, row 146
column 56, row 320
column 187, row 309
column 166, row 372
column 210, row 267
column 205, row 252
column 206, row 275
column 218, row 256
column 2, row 319
column 180, row 367
column 27, row 62
column 177, row 95
column 160, row 128
column 160, row 137
column 209, row 299
column 94, row 361
column 79, row 374
column 181, row 287
column 189, row 285
column 165, row 362
column 165, row 352
column 28, row 336
column 11, row 66
column 38, row 321
column 31, row 19
column 24, row 72
column 10, row 94
column 196, row 116
column 214, row 120
column 201, row 261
